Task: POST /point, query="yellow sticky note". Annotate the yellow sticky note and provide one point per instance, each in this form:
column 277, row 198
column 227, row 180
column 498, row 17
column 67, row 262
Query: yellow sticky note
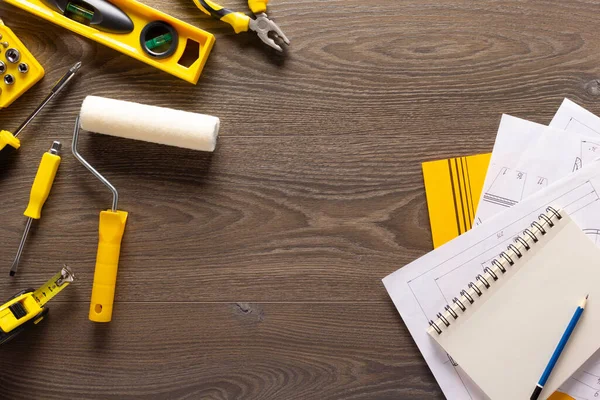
column 560, row 396
column 453, row 187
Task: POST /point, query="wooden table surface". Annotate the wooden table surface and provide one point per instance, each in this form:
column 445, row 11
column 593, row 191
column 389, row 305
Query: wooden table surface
column 255, row 272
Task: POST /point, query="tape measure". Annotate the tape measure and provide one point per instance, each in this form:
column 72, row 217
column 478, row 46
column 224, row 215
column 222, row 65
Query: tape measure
column 54, row 286
column 26, row 308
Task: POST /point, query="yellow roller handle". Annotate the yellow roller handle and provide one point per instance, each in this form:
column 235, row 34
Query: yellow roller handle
column 258, row 6
column 240, row 22
column 7, row 138
column 44, row 178
column 112, row 226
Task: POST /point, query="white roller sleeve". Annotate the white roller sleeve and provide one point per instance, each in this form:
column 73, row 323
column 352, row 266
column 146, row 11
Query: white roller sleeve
column 149, row 123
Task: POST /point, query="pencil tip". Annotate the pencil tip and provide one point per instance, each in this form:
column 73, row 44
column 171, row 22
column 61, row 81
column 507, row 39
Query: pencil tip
column 586, row 297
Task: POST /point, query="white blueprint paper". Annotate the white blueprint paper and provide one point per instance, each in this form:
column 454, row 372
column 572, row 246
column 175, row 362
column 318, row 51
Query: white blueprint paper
column 574, row 118
column 571, row 141
column 505, row 185
column 421, row 289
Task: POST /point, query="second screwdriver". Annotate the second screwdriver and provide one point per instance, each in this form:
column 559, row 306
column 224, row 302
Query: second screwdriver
column 8, row 138
column 44, row 178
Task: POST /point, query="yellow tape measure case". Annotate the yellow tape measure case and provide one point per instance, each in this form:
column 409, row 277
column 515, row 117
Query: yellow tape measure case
column 19, row 313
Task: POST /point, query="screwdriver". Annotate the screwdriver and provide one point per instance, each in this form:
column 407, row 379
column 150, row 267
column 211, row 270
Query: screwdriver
column 44, row 178
column 7, row 138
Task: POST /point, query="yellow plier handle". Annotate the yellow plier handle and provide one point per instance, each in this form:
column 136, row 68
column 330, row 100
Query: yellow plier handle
column 265, row 28
column 240, row 22
column 258, row 6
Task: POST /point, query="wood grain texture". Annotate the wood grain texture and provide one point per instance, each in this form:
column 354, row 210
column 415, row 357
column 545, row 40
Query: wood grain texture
column 255, row 272
column 221, row 351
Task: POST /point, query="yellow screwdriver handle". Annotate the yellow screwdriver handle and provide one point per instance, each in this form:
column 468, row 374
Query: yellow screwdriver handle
column 44, row 178
column 112, row 226
column 258, row 6
column 7, row 138
column 240, row 22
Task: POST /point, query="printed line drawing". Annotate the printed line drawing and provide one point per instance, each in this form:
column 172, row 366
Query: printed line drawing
column 507, row 188
column 503, row 191
column 589, row 152
column 585, row 384
column 580, row 127
column 594, row 234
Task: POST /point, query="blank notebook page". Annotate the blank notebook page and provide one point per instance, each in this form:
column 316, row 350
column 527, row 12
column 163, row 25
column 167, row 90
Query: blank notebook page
column 504, row 340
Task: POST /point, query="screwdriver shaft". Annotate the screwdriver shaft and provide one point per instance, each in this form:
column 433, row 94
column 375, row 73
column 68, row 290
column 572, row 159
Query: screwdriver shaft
column 42, row 184
column 62, row 82
column 15, row 264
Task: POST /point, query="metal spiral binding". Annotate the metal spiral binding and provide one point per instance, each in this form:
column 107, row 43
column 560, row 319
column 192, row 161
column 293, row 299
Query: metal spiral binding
column 467, row 296
column 520, row 240
column 499, row 266
column 459, row 304
column 483, row 281
column 508, row 259
column 491, row 273
column 516, row 250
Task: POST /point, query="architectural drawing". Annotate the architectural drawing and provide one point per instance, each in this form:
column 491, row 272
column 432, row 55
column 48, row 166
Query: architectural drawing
column 508, row 188
column 588, row 153
column 439, row 285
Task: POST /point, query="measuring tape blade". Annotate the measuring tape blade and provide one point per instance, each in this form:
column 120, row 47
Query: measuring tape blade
column 51, row 288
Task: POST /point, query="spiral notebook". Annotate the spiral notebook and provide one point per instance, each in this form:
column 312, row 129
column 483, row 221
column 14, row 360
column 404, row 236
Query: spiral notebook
column 503, row 326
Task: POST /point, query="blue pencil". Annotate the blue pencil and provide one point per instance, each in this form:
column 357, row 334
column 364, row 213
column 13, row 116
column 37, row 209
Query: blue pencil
column 561, row 345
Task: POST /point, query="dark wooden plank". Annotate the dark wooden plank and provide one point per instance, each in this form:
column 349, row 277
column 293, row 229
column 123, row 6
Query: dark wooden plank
column 414, row 66
column 313, row 195
column 269, row 219
column 218, row 351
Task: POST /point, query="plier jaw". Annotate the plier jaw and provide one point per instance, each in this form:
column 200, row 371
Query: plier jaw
column 267, row 30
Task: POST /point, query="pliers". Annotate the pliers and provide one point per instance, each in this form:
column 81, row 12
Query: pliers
column 240, row 22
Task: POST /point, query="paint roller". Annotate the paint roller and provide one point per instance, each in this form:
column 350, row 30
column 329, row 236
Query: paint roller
column 140, row 122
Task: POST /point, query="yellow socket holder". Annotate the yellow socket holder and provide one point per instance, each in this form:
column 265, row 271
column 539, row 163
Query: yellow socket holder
column 19, row 70
column 185, row 59
column 111, row 229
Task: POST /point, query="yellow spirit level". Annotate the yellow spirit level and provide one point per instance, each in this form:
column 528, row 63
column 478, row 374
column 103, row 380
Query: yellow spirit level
column 27, row 308
column 132, row 28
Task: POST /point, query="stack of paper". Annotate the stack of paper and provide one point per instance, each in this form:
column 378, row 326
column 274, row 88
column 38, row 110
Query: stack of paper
column 532, row 166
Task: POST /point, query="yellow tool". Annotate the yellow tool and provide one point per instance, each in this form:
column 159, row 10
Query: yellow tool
column 44, row 178
column 18, row 68
column 140, row 122
column 27, row 308
column 261, row 24
column 7, row 138
column 132, row 28
column 111, row 229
